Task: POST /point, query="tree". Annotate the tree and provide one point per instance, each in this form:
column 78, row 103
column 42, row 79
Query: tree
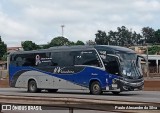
column 4, row 58
column 154, row 50
column 3, row 48
column 121, row 37
column 29, row 45
column 79, row 43
column 157, row 36
column 124, row 36
column 149, row 35
column 59, row 41
column 101, row 38
column 71, row 43
column 113, row 38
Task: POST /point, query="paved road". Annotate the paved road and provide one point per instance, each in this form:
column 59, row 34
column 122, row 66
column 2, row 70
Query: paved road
column 144, row 96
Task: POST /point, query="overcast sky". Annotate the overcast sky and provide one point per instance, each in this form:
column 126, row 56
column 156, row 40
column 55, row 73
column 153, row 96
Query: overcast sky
column 41, row 20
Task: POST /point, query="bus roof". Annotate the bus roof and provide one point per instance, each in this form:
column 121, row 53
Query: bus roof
column 116, row 48
column 79, row 47
column 57, row 49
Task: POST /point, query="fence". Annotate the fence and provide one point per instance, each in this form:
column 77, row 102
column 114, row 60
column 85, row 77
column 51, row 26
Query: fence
column 3, row 74
column 78, row 103
column 153, row 71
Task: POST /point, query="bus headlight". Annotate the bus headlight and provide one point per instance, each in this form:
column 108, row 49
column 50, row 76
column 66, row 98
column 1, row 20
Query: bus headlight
column 126, row 73
column 113, row 81
column 129, row 74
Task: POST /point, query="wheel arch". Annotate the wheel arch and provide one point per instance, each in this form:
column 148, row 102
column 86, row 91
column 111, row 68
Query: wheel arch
column 30, row 79
column 93, row 80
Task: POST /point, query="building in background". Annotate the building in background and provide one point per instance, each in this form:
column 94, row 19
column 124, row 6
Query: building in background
column 154, row 63
column 13, row 49
column 3, row 65
column 139, row 49
column 153, row 60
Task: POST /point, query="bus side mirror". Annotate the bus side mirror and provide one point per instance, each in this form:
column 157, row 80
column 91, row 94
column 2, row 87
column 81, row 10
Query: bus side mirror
column 141, row 58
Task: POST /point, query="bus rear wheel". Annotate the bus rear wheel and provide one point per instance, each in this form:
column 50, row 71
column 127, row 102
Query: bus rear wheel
column 95, row 88
column 32, row 87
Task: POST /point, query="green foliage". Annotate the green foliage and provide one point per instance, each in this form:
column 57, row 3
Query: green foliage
column 71, row 43
column 79, row 43
column 62, row 41
column 157, row 36
column 101, row 38
column 125, row 37
column 29, row 45
column 4, row 58
column 3, row 48
column 154, row 50
column 149, row 35
column 59, row 41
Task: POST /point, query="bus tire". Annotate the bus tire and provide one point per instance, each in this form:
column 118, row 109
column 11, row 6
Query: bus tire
column 95, row 88
column 115, row 92
column 32, row 87
column 52, row 90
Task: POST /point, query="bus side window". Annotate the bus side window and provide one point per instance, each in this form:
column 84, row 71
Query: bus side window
column 62, row 59
column 87, row 58
column 12, row 60
column 29, row 62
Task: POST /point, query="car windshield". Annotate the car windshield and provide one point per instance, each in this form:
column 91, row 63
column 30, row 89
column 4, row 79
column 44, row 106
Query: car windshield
column 129, row 65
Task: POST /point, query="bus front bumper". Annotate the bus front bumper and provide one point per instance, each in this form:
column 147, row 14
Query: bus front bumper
column 121, row 85
column 131, row 86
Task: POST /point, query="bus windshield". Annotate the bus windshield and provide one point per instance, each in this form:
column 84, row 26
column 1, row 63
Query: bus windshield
column 130, row 66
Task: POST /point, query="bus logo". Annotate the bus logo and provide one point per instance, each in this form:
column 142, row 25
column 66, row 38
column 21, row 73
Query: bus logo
column 38, row 61
column 57, row 70
column 60, row 70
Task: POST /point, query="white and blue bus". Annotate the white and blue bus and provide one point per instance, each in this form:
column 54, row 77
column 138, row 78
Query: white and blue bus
column 98, row 68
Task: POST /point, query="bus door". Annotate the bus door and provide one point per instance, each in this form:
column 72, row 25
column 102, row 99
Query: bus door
column 83, row 59
column 112, row 67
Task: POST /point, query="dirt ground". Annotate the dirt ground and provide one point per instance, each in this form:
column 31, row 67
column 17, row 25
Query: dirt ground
column 4, row 83
column 152, row 84
column 149, row 84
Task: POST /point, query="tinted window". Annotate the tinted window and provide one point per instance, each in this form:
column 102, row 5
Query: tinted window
column 62, row 59
column 87, row 58
column 32, row 59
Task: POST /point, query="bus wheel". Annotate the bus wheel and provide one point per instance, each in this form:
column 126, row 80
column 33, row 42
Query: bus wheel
column 116, row 92
column 32, row 87
column 52, row 90
column 95, row 88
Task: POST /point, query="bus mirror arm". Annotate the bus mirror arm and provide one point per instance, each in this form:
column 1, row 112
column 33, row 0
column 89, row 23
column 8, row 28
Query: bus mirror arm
column 144, row 58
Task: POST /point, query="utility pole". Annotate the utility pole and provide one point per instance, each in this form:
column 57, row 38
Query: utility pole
column 62, row 29
column 147, row 61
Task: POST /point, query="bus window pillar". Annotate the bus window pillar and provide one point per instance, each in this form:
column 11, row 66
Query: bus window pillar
column 157, row 65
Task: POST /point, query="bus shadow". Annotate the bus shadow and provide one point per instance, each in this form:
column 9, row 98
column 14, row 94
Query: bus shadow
column 88, row 94
column 84, row 93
